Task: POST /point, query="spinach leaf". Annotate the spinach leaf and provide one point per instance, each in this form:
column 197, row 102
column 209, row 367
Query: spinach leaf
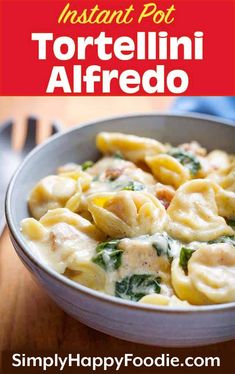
column 108, row 255
column 87, row 164
column 134, row 186
column 164, row 246
column 224, row 239
column 185, row 255
column 187, row 159
column 118, row 155
column 136, row 286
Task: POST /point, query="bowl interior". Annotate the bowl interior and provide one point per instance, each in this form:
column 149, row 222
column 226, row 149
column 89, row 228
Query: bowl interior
column 78, row 145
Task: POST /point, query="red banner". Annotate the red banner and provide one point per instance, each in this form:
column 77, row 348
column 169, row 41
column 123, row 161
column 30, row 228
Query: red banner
column 117, row 47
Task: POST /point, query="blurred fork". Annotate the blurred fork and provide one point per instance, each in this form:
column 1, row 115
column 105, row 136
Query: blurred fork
column 10, row 158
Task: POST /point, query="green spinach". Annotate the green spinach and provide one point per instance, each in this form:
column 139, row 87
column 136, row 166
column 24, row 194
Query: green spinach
column 187, row 159
column 108, row 255
column 185, row 255
column 87, row 164
column 136, row 286
column 164, row 246
column 224, row 239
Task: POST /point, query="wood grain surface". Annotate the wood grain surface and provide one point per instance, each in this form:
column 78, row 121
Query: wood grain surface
column 29, row 320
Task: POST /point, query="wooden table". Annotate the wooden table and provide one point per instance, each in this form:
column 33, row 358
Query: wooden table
column 29, row 320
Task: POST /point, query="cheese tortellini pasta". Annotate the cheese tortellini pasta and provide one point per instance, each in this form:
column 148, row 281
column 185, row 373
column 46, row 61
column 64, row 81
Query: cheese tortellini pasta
column 127, row 213
column 183, row 286
column 212, row 271
column 228, row 181
column 168, row 170
column 210, row 277
column 147, row 222
column 132, row 147
column 162, row 300
column 50, row 193
column 193, row 213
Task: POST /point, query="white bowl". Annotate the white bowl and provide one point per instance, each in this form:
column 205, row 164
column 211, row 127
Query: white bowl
column 123, row 319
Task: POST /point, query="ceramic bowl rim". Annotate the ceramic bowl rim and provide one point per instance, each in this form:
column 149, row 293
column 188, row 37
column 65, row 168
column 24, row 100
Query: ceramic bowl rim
column 15, row 233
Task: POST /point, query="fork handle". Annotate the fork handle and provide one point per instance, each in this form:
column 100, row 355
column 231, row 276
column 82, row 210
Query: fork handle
column 56, row 127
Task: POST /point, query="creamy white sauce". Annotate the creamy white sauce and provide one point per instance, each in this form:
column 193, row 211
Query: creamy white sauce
column 63, row 246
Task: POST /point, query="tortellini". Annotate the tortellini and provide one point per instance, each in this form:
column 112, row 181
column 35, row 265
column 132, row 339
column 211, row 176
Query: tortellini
column 33, row 230
column 163, row 300
column 228, row 182
column 225, row 201
column 65, row 238
column 148, row 222
column 132, row 147
column 212, row 271
column 50, row 193
column 58, row 191
column 211, row 275
column 82, row 178
column 218, row 160
column 53, row 217
column 127, row 213
column 168, row 170
column 184, row 287
column 193, row 213
column 88, row 274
